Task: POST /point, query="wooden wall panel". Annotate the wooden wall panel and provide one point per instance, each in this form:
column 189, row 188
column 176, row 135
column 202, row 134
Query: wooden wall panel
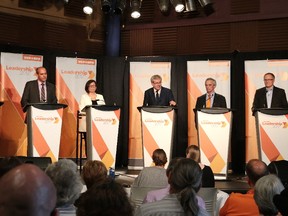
column 188, row 40
column 141, row 42
column 164, row 41
column 9, row 33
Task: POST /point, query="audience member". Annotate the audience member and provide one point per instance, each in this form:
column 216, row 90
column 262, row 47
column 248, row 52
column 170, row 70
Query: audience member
column 93, row 172
column 27, row 190
column 8, row 163
column 244, row 204
column 185, row 182
column 208, row 180
column 68, row 185
column 265, row 189
column 154, row 176
column 156, row 195
column 105, row 199
column 280, row 201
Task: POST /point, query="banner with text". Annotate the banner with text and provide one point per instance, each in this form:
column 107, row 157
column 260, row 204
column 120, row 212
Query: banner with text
column 140, row 74
column 254, row 73
column 16, row 70
column 71, row 77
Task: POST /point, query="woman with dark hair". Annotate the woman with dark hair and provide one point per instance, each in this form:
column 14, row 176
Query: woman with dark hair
column 106, row 198
column 154, row 176
column 185, row 182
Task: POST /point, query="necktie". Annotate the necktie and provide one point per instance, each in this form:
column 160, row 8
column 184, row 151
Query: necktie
column 208, row 102
column 43, row 99
column 157, row 95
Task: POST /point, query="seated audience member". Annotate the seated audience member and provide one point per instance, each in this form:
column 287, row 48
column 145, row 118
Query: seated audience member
column 154, row 176
column 93, row 171
column 8, row 163
column 244, row 204
column 68, row 185
column 105, row 199
column 208, row 180
column 265, row 189
column 27, row 190
column 156, row 195
column 185, row 182
column 281, row 202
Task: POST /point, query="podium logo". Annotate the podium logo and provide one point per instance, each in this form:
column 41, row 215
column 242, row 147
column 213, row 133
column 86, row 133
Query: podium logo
column 91, row 74
column 54, row 120
column 274, row 124
column 156, row 122
column 111, row 121
column 214, row 124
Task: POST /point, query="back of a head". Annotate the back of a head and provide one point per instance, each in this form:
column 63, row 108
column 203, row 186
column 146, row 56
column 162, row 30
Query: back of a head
column 193, row 152
column 159, row 157
column 105, row 199
column 265, row 189
column 171, row 165
column 93, row 172
column 256, row 169
column 185, row 180
column 67, row 181
column 27, row 190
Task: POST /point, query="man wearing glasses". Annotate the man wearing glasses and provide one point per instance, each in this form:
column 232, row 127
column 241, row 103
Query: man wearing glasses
column 269, row 96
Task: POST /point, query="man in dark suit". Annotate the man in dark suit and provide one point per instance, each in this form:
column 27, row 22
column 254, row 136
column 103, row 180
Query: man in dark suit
column 210, row 99
column 39, row 91
column 158, row 95
column 269, row 96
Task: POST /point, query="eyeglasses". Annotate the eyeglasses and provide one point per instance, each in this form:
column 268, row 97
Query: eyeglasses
column 268, row 80
column 90, row 86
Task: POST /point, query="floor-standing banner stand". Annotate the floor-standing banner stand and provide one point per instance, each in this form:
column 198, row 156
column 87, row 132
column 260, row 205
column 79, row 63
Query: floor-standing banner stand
column 272, row 134
column 214, row 136
column 157, row 130
column 102, row 128
column 44, row 123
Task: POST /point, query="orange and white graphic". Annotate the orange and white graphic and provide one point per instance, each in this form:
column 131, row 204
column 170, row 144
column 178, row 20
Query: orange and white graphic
column 214, row 138
column 140, row 74
column 16, row 70
column 71, row 77
column 254, row 73
column 46, row 132
column 198, row 72
column 157, row 133
column 273, row 136
column 103, row 135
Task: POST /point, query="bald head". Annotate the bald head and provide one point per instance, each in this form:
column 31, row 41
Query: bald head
column 256, row 169
column 26, row 190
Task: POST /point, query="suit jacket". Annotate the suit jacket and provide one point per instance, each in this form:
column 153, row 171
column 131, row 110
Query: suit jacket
column 218, row 101
column 31, row 93
column 166, row 96
column 279, row 99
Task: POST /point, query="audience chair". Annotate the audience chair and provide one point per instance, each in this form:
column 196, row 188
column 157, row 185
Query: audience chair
column 209, row 195
column 80, row 135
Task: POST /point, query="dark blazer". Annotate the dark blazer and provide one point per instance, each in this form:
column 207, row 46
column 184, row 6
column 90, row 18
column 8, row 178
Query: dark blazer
column 219, row 101
column 279, row 99
column 166, row 96
column 31, row 93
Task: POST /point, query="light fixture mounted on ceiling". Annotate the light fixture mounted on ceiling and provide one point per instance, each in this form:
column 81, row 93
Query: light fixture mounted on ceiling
column 164, row 6
column 135, row 8
column 178, row 5
column 120, row 7
column 88, row 6
column 106, row 5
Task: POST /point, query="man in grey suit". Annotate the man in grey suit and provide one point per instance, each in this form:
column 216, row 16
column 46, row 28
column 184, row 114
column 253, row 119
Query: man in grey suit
column 269, row 96
column 210, row 99
column 39, row 91
column 158, row 95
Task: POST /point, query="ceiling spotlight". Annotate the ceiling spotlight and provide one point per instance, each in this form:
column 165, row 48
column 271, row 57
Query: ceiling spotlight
column 178, row 5
column 120, row 6
column 135, row 8
column 106, row 5
column 88, row 7
column 190, row 5
column 204, row 3
column 163, row 5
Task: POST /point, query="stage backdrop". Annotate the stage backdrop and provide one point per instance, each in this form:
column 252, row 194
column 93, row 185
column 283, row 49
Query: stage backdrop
column 71, row 77
column 16, row 70
column 198, row 72
column 140, row 74
column 254, row 72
